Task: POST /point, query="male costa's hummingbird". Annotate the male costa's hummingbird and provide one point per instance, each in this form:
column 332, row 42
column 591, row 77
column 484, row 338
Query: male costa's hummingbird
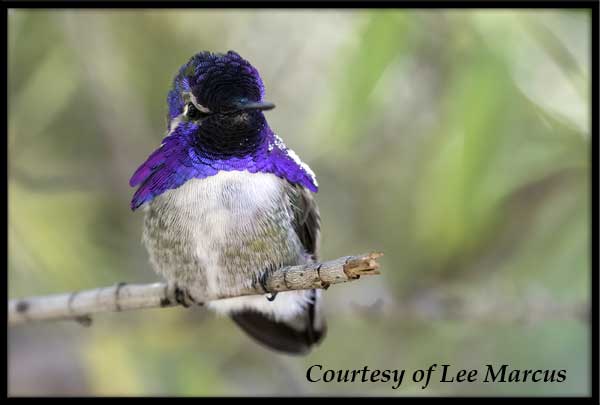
column 226, row 201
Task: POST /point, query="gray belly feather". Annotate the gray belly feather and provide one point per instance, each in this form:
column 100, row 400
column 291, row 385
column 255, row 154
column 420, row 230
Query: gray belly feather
column 216, row 235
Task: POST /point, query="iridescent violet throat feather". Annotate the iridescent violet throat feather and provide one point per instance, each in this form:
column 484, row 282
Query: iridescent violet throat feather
column 226, row 202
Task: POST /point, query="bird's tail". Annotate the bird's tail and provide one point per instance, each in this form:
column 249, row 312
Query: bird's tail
column 291, row 336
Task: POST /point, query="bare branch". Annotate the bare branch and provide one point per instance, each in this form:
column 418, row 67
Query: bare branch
column 123, row 297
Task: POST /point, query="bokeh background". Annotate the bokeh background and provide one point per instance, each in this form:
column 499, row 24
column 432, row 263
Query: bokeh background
column 457, row 142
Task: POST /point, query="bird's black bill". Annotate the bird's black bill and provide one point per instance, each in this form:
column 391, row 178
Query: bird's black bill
column 256, row 105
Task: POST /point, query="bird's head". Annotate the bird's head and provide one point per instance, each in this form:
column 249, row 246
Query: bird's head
column 216, row 123
column 220, row 98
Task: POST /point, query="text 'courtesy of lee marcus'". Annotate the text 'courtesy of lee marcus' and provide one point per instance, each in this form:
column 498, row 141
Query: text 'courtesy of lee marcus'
column 443, row 373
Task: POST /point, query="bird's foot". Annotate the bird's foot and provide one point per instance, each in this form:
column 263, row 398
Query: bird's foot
column 181, row 295
column 263, row 283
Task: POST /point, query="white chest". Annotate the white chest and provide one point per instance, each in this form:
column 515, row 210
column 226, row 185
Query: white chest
column 217, row 234
column 226, row 224
column 226, row 196
column 225, row 206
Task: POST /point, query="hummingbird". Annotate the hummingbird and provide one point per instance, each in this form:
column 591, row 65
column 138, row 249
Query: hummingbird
column 226, row 202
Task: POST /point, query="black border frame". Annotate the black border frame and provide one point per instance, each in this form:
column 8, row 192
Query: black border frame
column 591, row 5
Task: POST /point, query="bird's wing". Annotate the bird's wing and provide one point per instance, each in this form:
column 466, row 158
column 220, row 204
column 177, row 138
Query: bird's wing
column 306, row 220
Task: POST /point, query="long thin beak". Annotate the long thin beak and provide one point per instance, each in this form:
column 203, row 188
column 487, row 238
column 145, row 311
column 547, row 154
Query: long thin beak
column 256, row 105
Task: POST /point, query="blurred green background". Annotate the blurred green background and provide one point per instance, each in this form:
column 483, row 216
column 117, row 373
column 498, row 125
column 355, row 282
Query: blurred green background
column 457, row 142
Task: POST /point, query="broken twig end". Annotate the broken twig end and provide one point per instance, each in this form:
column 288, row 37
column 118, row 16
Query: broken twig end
column 366, row 264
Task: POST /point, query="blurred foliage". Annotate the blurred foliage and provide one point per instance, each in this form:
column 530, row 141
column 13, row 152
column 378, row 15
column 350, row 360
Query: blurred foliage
column 457, row 142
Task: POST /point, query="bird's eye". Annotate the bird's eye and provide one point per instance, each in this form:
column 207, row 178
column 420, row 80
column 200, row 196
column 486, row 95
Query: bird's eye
column 193, row 113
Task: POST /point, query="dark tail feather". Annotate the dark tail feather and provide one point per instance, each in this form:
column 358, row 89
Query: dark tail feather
column 296, row 336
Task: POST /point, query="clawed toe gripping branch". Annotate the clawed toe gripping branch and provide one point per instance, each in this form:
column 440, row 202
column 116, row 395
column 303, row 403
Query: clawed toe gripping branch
column 80, row 305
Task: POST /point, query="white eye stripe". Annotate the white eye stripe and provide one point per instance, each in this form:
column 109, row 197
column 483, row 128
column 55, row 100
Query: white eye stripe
column 201, row 108
column 188, row 98
column 193, row 113
column 191, row 98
